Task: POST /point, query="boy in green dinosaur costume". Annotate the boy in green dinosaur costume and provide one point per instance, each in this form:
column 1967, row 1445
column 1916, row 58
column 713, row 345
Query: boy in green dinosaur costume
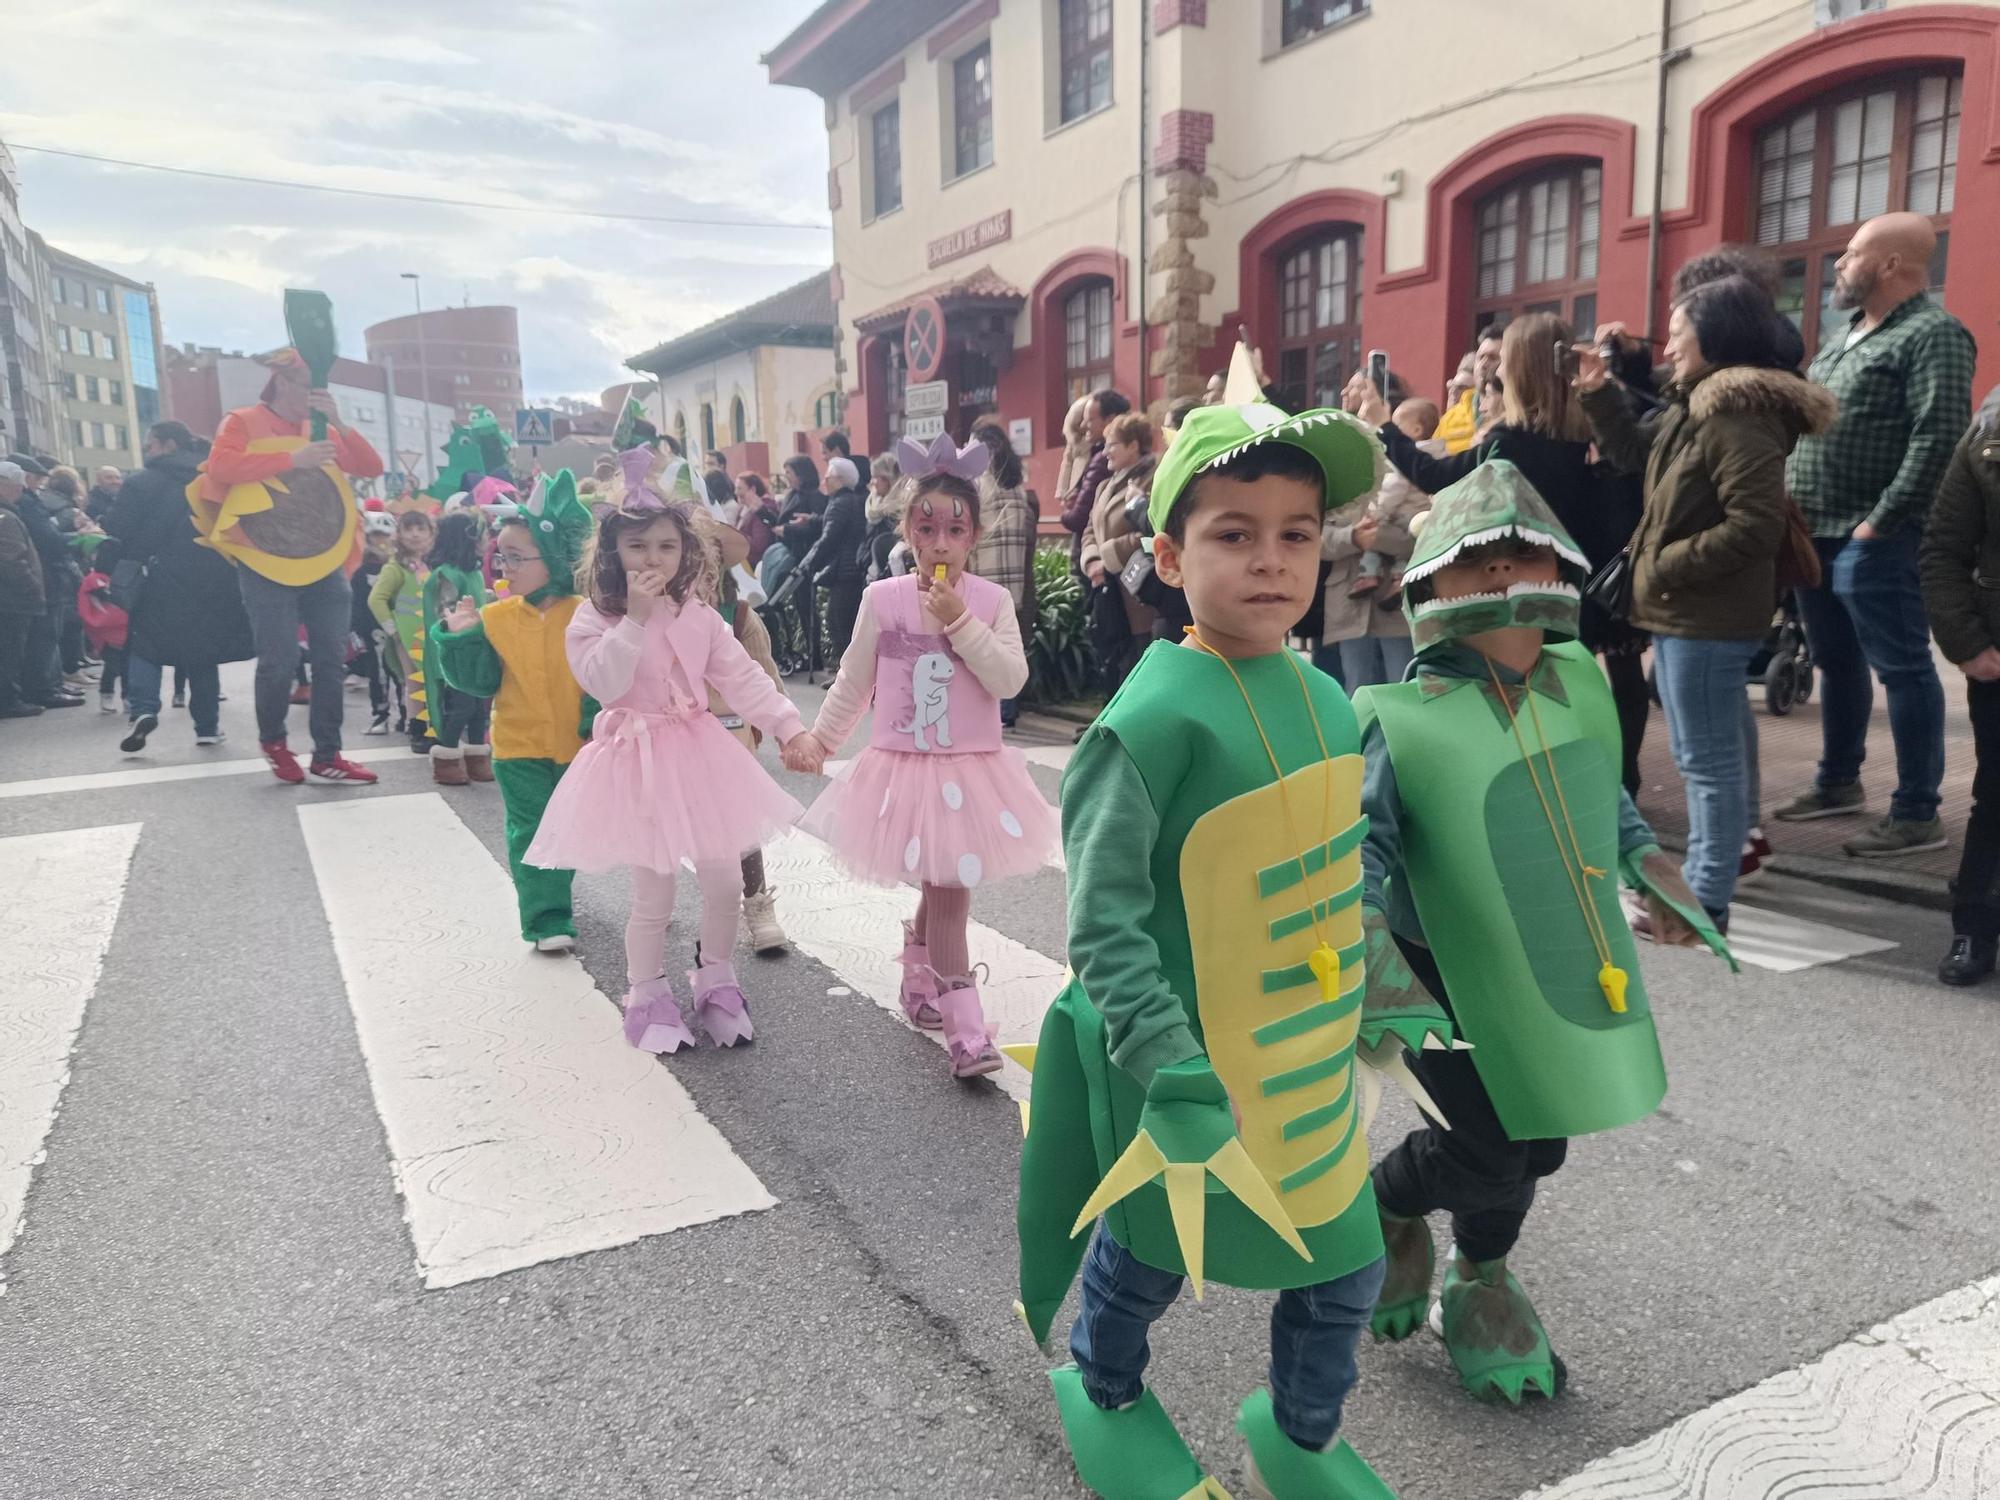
column 1196, row 1084
column 1497, row 829
column 512, row 651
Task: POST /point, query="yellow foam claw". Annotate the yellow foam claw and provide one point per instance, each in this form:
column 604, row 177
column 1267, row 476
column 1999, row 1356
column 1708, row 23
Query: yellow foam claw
column 1211, row 1489
column 1186, row 1198
column 1390, row 1061
column 1234, row 1170
column 1022, row 1053
column 1024, row 1117
column 1142, row 1162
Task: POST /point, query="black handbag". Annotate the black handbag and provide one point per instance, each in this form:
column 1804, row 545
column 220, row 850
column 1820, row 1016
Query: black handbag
column 1610, row 587
column 127, row 582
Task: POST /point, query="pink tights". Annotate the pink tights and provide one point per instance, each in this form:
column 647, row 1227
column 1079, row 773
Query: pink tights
column 940, row 926
column 653, row 909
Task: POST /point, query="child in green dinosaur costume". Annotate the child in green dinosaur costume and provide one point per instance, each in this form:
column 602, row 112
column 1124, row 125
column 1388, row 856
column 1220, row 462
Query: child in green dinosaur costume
column 1197, row 1084
column 1497, row 829
column 513, row 652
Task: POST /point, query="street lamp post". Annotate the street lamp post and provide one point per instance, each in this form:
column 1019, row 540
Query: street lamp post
column 423, row 370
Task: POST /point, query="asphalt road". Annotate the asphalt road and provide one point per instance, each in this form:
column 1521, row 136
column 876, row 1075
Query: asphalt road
column 213, row 1293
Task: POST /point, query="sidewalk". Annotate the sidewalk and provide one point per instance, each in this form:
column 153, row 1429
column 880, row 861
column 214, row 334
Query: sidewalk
column 1790, row 749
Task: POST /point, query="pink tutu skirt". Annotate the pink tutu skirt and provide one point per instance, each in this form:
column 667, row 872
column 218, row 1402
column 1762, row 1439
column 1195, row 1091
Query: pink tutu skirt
column 659, row 793
column 958, row 820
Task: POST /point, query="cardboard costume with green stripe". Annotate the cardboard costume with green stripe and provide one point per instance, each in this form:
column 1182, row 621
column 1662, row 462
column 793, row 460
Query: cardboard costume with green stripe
column 1255, row 922
column 1509, row 816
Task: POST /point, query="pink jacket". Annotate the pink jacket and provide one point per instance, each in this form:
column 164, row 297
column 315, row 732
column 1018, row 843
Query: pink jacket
column 670, row 664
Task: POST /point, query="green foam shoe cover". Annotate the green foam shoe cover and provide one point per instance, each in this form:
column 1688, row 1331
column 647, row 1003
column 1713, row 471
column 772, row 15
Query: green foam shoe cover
column 1282, row 1470
column 1496, row 1341
column 1134, row 1454
column 1406, row 1289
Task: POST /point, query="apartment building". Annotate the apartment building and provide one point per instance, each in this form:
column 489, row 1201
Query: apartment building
column 104, row 356
column 27, row 391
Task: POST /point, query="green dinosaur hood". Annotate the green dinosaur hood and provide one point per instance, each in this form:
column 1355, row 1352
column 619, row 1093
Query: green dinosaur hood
column 1350, row 456
column 1493, row 502
column 561, row 526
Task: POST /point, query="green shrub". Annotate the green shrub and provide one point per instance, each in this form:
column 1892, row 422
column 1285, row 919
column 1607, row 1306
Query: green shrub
column 1061, row 666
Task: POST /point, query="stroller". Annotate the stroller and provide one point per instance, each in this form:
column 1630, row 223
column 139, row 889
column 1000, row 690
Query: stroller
column 1784, row 664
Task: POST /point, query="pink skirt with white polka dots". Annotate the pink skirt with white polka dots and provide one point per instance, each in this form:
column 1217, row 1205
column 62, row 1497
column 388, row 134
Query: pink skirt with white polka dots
column 894, row 818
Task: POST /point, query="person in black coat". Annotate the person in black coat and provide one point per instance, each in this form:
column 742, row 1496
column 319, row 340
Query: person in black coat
column 1545, row 435
column 843, row 571
column 41, row 661
column 188, row 612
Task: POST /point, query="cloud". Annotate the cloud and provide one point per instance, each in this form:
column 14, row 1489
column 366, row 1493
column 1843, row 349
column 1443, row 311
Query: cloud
column 634, row 106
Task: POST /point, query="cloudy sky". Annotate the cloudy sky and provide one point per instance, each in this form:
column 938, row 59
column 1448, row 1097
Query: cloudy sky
column 626, row 106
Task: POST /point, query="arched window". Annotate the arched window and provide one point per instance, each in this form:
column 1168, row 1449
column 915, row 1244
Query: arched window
column 738, row 431
column 707, row 427
column 826, row 410
column 1086, row 310
column 1538, row 242
column 1319, row 317
column 681, row 428
column 1889, row 143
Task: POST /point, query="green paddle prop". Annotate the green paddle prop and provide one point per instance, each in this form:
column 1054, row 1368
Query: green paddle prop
column 309, row 325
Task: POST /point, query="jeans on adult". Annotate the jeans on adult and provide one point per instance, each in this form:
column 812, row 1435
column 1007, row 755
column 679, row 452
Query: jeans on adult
column 204, row 685
column 1326, row 657
column 1702, row 689
column 1869, row 613
column 1976, row 892
column 1369, row 660
column 70, row 640
column 277, row 612
column 1313, row 1333
column 843, row 607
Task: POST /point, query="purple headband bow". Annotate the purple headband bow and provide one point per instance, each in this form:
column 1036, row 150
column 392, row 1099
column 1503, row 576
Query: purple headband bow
column 943, row 456
column 639, row 492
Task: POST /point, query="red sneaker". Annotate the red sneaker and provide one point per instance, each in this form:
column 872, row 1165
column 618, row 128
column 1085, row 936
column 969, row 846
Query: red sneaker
column 340, row 768
column 284, row 764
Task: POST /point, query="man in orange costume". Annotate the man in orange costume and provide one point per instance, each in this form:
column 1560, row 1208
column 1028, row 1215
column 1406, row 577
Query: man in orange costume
column 280, row 506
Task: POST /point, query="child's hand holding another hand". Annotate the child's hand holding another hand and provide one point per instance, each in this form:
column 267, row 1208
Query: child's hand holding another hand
column 804, row 753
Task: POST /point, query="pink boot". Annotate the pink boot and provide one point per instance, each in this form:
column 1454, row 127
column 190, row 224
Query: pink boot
column 653, row 1017
column 919, row 994
column 719, row 1006
column 966, row 1033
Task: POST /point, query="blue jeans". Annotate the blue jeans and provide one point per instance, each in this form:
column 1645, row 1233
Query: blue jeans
column 1313, row 1333
column 1870, row 614
column 142, row 692
column 1714, row 731
column 1371, row 659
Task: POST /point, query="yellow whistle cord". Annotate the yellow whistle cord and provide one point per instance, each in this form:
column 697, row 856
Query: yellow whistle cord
column 1611, row 979
column 1324, row 960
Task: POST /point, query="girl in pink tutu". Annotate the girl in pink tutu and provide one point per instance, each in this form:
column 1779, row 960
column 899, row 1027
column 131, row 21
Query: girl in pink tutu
column 662, row 784
column 935, row 799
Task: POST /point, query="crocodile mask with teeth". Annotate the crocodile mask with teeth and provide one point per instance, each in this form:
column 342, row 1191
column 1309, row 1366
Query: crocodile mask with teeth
column 1494, row 503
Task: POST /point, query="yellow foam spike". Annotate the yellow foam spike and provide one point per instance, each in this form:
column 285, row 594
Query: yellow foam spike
column 1242, row 387
column 1189, row 1203
column 1612, row 980
column 1022, row 1053
column 1024, row 1116
column 1326, row 968
column 1211, row 1489
column 1234, row 1170
column 1142, row 1162
column 1391, row 1062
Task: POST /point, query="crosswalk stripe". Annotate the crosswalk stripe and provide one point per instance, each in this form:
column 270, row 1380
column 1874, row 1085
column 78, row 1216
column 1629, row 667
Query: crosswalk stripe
column 1909, row 1409
column 856, row 931
column 1785, row 944
column 111, row 781
column 522, row 1127
column 59, row 900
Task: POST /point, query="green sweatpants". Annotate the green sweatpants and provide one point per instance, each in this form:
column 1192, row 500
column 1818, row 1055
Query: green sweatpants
column 544, row 895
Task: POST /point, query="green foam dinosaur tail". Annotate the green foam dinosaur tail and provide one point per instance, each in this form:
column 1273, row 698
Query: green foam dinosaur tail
column 1059, row 1168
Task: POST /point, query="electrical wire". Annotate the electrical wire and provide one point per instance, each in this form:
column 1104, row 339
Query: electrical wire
column 424, row 199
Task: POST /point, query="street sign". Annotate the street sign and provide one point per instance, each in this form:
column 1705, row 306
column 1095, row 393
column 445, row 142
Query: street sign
column 923, row 338
column 535, row 426
column 923, row 429
column 926, row 399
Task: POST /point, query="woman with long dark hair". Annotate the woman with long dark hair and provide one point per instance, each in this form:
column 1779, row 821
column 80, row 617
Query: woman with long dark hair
column 1004, row 552
column 1704, row 557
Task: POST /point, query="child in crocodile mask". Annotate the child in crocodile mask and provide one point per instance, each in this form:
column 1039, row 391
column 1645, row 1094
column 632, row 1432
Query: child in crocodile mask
column 1497, row 829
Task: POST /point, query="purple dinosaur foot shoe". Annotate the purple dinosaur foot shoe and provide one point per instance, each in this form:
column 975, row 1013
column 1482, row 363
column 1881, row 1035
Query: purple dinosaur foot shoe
column 719, row 1006
column 653, row 1020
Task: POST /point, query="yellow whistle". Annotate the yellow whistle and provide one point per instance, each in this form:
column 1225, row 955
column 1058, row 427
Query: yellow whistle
column 1325, row 964
column 941, row 573
column 1612, row 980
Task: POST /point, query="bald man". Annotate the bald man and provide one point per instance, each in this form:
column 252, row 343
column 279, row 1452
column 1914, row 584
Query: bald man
column 1901, row 368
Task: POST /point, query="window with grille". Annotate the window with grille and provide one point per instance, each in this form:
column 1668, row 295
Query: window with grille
column 972, row 110
column 885, row 132
column 103, row 299
column 1086, row 57
column 738, row 428
column 1319, row 317
column 1087, row 338
column 1306, row 18
column 707, row 428
column 1821, row 172
column 1538, row 241
column 826, row 411
column 93, row 389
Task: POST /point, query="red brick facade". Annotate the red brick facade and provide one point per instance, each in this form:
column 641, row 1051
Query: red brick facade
column 1185, row 136
column 1167, row 14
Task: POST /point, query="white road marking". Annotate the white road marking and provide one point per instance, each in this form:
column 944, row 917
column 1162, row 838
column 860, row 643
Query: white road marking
column 1909, row 1410
column 857, row 930
column 59, row 900
column 522, row 1127
column 1785, row 944
column 107, row 781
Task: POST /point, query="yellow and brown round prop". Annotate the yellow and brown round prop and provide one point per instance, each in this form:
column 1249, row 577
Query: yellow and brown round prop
column 294, row 528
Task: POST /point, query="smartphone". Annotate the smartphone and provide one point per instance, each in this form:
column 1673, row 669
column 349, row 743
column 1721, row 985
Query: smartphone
column 1566, row 361
column 1378, row 371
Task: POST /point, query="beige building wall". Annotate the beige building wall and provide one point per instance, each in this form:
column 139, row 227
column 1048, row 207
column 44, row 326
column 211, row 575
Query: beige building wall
column 97, row 412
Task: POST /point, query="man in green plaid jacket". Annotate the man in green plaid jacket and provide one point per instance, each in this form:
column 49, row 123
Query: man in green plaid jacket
column 1902, row 372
